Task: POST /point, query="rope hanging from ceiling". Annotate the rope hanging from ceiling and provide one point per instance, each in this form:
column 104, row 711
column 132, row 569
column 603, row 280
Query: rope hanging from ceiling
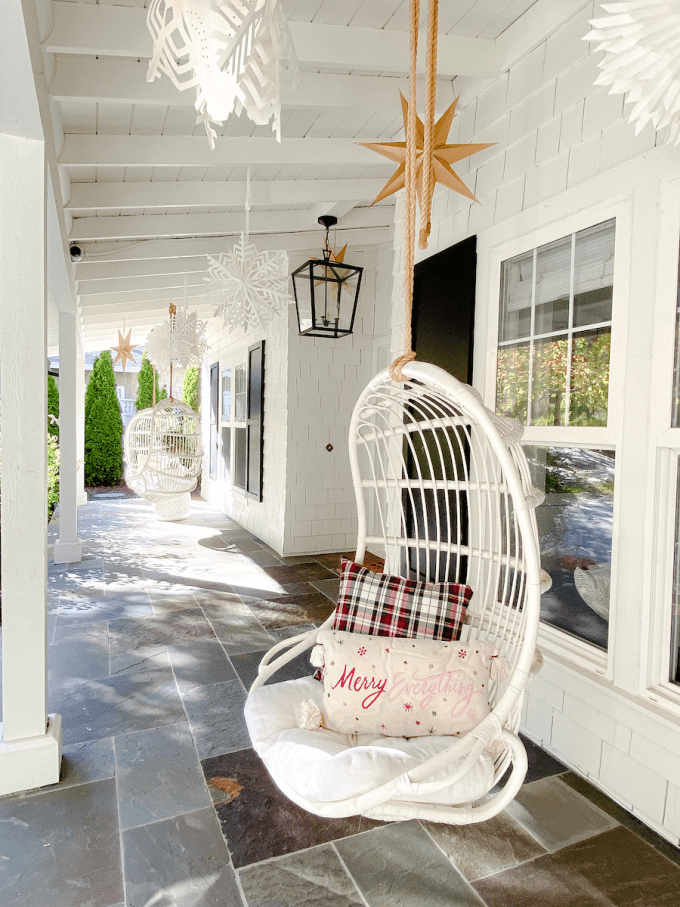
column 410, row 173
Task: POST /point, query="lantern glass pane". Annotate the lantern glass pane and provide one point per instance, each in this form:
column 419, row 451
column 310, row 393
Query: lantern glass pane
column 303, row 297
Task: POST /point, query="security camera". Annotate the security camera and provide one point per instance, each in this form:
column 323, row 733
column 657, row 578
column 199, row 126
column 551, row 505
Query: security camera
column 76, row 253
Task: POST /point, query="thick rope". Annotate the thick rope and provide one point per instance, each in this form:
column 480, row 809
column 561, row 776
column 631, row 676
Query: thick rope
column 427, row 184
column 409, row 202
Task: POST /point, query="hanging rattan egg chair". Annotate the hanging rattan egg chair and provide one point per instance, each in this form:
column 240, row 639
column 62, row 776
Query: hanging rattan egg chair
column 444, row 495
column 163, row 457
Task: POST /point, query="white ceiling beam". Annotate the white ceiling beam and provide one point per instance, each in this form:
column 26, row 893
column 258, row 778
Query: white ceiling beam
column 183, row 194
column 124, row 81
column 194, row 151
column 173, row 282
column 147, row 226
column 141, row 297
column 111, row 259
column 119, row 31
column 145, row 317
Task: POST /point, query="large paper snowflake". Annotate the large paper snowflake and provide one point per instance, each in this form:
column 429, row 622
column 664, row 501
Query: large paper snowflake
column 180, row 340
column 231, row 51
column 248, row 286
column 641, row 40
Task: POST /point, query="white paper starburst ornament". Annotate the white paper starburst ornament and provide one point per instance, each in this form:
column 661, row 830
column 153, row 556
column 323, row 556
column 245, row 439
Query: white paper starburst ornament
column 180, row 340
column 233, row 52
column 249, row 287
column 641, row 40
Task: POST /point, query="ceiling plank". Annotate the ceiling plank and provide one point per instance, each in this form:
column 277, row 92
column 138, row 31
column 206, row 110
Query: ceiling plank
column 194, row 151
column 147, row 226
column 120, row 31
column 180, row 255
column 125, row 81
column 105, row 196
column 140, row 298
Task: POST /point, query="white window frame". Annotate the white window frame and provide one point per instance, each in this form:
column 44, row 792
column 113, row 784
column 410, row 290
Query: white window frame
column 227, row 423
column 490, row 256
column 664, row 458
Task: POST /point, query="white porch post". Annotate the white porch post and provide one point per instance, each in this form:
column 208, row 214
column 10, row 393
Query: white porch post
column 30, row 740
column 81, row 494
column 68, row 547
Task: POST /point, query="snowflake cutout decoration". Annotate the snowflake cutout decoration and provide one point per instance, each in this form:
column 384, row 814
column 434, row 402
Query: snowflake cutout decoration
column 641, row 41
column 248, row 286
column 233, row 52
column 180, row 339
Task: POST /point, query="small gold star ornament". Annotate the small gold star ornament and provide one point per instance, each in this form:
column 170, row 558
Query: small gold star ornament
column 443, row 156
column 124, row 349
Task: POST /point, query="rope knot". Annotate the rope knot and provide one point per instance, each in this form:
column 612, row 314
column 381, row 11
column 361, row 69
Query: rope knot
column 397, row 366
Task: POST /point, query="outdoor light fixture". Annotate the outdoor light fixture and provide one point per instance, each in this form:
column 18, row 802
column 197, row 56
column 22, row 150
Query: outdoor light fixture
column 326, row 292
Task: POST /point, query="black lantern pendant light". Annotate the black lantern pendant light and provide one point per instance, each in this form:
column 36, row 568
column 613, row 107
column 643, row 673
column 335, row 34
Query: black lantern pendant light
column 326, row 292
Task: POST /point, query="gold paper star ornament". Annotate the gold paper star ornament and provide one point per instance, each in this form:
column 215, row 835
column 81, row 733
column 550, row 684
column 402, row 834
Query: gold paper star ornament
column 443, row 156
column 124, row 349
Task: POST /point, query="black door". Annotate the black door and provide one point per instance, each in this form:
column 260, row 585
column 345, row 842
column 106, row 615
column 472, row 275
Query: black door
column 442, row 331
column 444, row 309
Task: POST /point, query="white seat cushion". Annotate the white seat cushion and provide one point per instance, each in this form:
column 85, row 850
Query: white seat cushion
column 327, row 766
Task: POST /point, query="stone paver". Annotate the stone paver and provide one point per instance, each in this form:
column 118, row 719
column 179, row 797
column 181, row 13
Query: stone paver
column 154, row 639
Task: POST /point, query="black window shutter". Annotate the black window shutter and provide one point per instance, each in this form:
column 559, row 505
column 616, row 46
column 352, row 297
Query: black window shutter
column 214, row 403
column 255, row 411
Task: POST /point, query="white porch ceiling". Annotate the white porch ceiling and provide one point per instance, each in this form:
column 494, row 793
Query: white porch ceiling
column 146, row 198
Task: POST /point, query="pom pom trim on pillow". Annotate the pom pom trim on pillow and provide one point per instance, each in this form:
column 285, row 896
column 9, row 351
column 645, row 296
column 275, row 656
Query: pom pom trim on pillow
column 386, row 605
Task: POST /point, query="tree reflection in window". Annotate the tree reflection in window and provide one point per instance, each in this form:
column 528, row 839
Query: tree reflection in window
column 555, row 331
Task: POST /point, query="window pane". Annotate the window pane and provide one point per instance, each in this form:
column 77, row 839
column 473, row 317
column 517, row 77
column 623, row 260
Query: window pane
column 676, row 371
column 548, row 393
column 594, row 274
column 675, row 624
column 590, row 377
column 226, row 395
column 575, row 531
column 226, row 453
column 516, row 288
column 512, row 381
column 553, row 279
column 240, row 393
column 571, row 288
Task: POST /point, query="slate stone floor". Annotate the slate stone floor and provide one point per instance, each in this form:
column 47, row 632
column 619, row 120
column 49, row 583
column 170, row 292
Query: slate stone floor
column 154, row 638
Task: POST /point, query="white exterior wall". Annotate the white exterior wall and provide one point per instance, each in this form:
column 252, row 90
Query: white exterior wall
column 310, row 387
column 565, row 159
column 264, row 518
column 325, row 378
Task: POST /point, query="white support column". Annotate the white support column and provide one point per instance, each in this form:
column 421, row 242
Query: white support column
column 30, row 740
column 68, row 548
column 81, row 494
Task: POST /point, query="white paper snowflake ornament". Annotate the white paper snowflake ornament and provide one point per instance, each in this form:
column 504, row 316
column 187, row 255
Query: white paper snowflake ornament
column 232, row 52
column 641, row 40
column 248, row 286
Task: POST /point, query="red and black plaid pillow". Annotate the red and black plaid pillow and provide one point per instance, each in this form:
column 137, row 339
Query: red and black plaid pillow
column 385, row 605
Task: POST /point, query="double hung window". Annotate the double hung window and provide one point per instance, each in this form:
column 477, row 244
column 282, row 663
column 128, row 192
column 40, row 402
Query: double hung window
column 553, row 363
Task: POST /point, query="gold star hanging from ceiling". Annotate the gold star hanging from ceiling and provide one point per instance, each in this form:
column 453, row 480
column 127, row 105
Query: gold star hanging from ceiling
column 443, row 156
column 124, row 349
column 338, row 257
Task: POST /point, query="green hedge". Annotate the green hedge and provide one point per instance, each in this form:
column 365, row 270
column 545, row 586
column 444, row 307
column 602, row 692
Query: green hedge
column 52, row 406
column 191, row 389
column 145, row 386
column 103, row 426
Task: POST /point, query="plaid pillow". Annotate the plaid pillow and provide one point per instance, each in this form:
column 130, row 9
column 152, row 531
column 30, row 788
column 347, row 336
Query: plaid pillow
column 384, row 605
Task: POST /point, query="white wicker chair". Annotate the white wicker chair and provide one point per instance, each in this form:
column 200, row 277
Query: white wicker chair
column 447, row 484
column 163, row 457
